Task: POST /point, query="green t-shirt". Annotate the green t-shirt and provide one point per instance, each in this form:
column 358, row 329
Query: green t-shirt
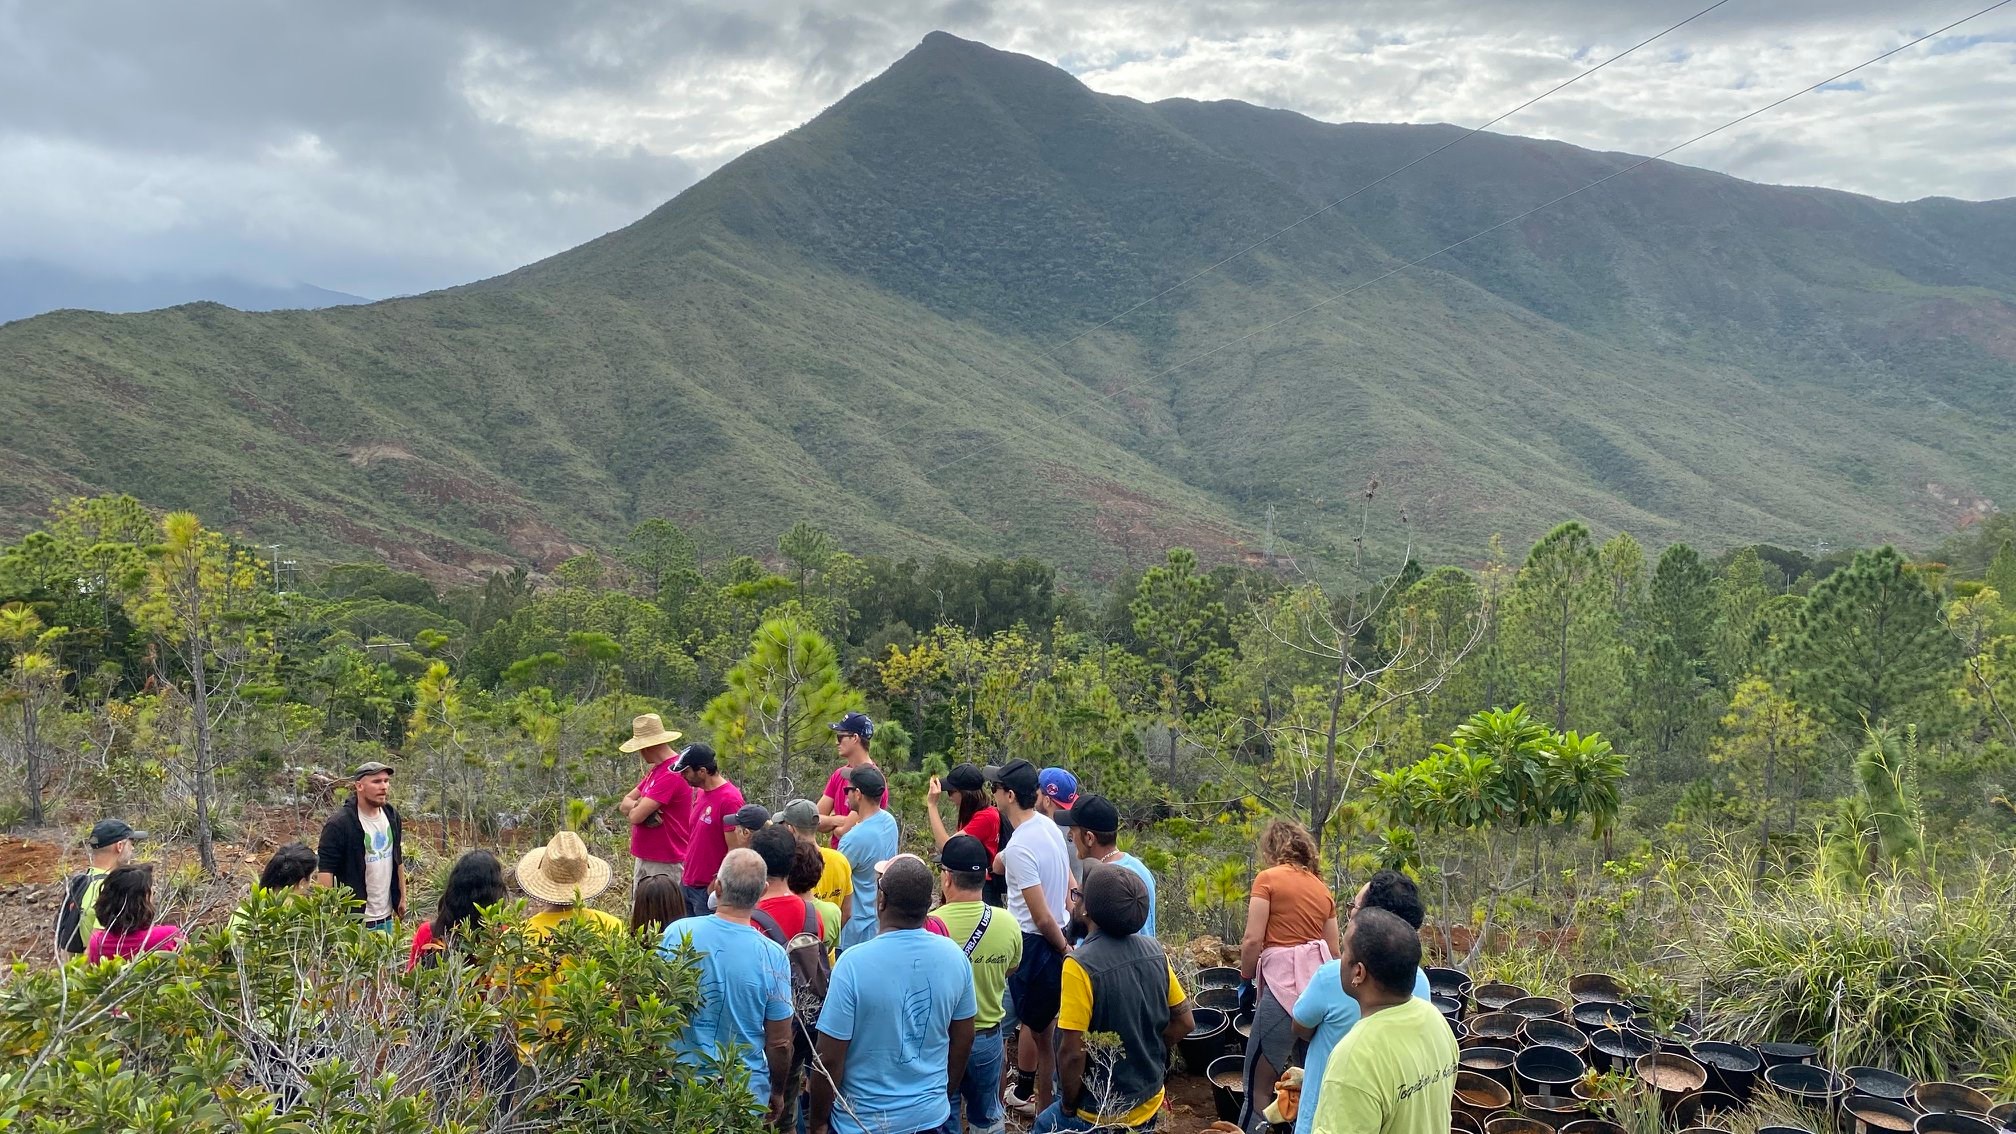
column 994, row 957
column 829, row 920
column 87, row 915
column 1394, row 1073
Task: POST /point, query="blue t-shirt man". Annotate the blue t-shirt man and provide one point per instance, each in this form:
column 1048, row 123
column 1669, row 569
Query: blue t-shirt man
column 865, row 844
column 1326, row 1008
column 745, row 982
column 894, row 999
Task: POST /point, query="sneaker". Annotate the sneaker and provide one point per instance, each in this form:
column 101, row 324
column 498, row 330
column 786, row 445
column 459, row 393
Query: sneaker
column 1024, row 1106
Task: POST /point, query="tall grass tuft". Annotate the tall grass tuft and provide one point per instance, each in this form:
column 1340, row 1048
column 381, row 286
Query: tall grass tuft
column 1924, row 976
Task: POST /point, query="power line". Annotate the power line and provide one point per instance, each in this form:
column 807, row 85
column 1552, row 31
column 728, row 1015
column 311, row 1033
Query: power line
column 1458, row 140
column 1639, row 164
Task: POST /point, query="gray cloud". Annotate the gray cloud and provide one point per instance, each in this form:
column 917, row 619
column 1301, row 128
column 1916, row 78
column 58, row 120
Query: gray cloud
column 382, row 146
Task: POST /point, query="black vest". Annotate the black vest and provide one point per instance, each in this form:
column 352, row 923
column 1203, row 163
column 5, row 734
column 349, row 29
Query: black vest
column 1130, row 999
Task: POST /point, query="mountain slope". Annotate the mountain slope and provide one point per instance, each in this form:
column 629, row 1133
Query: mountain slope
column 885, row 321
column 30, row 287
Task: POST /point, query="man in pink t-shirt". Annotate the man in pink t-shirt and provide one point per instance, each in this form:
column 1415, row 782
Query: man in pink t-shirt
column 660, row 807
column 715, row 800
column 850, row 736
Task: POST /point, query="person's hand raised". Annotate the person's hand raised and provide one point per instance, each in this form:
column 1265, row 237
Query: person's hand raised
column 933, row 790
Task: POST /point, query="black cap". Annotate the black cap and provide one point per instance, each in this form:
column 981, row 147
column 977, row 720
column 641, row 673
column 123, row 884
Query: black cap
column 750, row 817
column 108, row 831
column 696, row 756
column 965, row 777
column 1094, row 813
column 1115, row 899
column 869, row 780
column 964, row 854
column 1018, row 776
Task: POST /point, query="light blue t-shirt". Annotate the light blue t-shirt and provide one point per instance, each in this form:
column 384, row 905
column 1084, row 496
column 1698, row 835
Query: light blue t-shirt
column 1147, row 877
column 865, row 844
column 1326, row 1007
column 893, row 999
column 745, row 981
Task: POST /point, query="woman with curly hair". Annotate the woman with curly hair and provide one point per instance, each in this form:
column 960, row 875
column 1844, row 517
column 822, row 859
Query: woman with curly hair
column 477, row 880
column 1291, row 929
column 126, row 917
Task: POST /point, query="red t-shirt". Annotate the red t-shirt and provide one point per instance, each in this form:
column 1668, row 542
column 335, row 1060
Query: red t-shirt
column 423, row 940
column 788, row 911
column 665, row 842
column 985, row 826
column 836, row 790
column 707, row 845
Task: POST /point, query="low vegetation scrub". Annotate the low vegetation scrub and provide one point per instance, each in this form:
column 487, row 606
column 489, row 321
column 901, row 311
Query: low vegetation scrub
column 299, row 1019
column 1904, row 975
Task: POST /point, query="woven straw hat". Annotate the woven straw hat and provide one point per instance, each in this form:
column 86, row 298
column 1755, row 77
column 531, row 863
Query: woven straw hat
column 563, row 872
column 646, row 731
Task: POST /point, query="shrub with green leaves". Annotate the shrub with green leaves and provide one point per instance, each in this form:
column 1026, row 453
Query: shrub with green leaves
column 298, row 1019
column 1925, row 978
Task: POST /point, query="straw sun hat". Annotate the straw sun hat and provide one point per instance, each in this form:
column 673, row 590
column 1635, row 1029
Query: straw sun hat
column 562, row 872
column 646, row 731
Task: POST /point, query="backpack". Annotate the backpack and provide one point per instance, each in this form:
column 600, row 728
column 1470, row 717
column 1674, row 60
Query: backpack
column 811, row 972
column 70, row 915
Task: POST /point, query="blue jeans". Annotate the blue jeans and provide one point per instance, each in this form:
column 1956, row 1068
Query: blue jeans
column 1056, row 1119
column 981, row 1088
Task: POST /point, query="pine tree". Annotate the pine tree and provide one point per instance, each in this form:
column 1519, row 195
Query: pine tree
column 1740, row 596
column 1560, row 635
column 1868, row 646
column 780, row 699
column 2002, row 572
column 1676, row 672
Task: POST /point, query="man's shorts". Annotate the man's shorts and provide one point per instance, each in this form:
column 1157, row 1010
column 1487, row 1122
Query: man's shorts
column 1037, row 983
column 646, row 868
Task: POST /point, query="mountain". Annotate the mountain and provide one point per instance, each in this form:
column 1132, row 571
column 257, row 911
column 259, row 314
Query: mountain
column 889, row 321
column 31, row 287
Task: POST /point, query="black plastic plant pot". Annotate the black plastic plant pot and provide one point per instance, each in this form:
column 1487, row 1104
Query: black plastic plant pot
column 1554, row 1033
column 1783, row 1130
column 1497, row 1026
column 1218, row 976
column 1516, row 1125
column 1703, row 1130
column 1954, row 1122
column 1479, row 1096
column 1596, row 988
column 1557, row 1111
column 1673, row 1076
column 1228, row 1086
column 1804, row 1083
column 1613, row 1049
column 1592, row 1126
column 1874, row 1115
column 1546, row 1070
column 1538, row 1008
column 1448, row 982
column 2006, row 1115
column 1460, row 1123
column 1450, row 1007
column 1935, row 1098
column 1493, row 996
column 1592, row 1015
column 1702, row 1106
column 1777, row 1054
column 1225, row 1000
column 1206, row 1041
column 1878, row 1083
column 1242, row 1026
column 1493, row 1062
column 1732, row 1068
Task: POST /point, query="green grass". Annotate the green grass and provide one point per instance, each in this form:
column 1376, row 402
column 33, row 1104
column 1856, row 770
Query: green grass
column 855, row 324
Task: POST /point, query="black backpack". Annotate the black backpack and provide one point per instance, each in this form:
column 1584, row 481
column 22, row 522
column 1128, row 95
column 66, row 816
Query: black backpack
column 70, row 915
column 811, row 972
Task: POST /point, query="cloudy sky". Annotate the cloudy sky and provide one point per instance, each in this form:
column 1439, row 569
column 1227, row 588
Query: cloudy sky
column 382, row 147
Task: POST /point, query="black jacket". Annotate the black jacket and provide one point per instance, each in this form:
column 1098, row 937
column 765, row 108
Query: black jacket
column 341, row 851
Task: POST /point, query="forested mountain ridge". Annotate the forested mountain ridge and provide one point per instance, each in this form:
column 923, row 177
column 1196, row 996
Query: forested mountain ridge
column 857, row 323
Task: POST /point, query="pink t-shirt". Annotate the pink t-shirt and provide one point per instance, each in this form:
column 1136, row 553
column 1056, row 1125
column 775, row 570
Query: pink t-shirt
column 665, row 842
column 708, row 844
column 153, row 939
column 836, row 790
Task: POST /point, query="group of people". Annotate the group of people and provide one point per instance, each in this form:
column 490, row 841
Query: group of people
column 864, row 989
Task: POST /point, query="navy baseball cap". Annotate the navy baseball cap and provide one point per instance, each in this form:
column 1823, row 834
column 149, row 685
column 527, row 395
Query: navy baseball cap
column 856, row 723
column 108, row 831
column 964, row 854
column 1094, row 813
column 749, row 817
column 693, row 756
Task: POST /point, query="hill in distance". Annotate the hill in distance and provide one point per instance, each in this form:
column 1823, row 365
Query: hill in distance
column 884, row 321
column 31, row 287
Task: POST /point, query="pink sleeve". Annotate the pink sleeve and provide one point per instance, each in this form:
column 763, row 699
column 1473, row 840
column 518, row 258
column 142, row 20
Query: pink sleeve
column 666, row 789
column 94, row 952
column 162, row 939
column 836, row 787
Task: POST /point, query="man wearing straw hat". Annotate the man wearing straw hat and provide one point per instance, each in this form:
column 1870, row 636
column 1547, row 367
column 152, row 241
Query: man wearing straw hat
column 660, row 807
column 560, row 878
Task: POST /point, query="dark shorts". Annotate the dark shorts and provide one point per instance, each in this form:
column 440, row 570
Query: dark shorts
column 1037, row 983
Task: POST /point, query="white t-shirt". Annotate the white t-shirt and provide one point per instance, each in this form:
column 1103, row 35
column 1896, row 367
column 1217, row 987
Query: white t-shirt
column 1036, row 856
column 377, row 865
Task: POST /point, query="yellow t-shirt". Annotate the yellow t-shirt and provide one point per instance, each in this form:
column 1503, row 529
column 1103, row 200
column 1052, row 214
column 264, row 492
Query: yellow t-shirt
column 836, row 882
column 544, row 923
column 1074, row 1014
